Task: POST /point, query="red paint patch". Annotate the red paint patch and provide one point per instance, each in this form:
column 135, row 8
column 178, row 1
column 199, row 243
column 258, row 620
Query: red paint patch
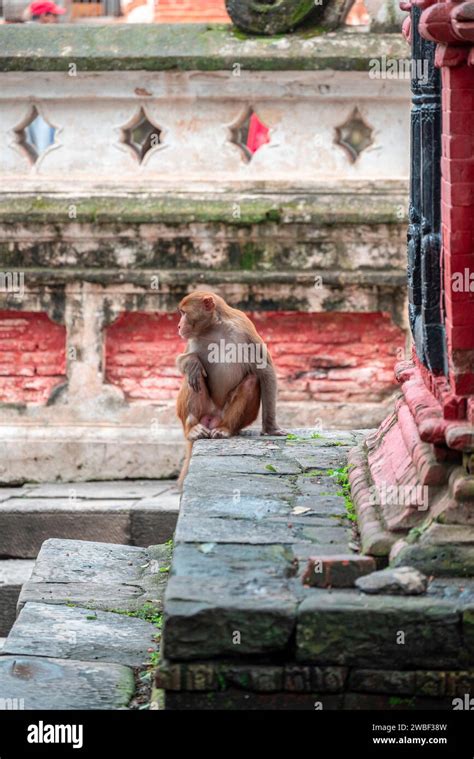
column 32, row 357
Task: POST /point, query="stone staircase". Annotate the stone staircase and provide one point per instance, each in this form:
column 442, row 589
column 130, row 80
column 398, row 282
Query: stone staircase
column 133, row 512
column 88, row 629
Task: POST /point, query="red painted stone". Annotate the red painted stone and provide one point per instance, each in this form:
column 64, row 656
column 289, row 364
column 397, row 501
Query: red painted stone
column 32, row 357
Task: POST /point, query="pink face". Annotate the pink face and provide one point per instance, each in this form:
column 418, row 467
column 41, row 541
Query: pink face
column 184, row 328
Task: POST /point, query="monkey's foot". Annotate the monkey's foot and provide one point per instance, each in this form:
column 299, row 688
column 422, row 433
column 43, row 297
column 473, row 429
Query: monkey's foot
column 220, row 432
column 277, row 432
column 198, row 432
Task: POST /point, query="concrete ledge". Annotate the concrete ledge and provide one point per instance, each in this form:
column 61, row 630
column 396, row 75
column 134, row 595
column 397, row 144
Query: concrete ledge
column 186, row 47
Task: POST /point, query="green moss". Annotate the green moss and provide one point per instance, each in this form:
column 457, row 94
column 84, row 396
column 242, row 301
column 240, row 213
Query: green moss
column 187, row 47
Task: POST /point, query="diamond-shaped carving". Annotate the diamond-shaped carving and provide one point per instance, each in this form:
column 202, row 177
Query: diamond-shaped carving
column 35, row 135
column 141, row 135
column 355, row 135
column 249, row 133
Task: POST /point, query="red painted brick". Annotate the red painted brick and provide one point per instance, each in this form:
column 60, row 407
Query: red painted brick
column 333, row 356
column 457, row 146
column 458, row 194
column 459, row 337
column 32, row 357
column 457, row 170
column 459, row 218
column 186, row 11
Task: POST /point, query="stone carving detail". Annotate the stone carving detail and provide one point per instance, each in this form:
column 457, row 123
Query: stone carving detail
column 277, row 16
column 141, row 135
column 355, row 135
column 35, row 135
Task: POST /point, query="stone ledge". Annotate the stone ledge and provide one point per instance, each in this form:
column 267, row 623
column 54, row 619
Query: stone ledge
column 81, row 452
column 352, row 203
column 188, row 47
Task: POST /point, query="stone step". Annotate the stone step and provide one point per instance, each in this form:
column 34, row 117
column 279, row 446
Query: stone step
column 74, row 632
column 140, row 513
column 98, row 575
column 243, row 627
column 13, row 573
column 33, row 682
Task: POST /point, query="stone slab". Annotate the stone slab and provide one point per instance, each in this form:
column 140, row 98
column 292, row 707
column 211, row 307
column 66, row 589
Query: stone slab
column 190, row 47
column 99, row 575
column 48, row 683
column 64, row 632
column 13, row 573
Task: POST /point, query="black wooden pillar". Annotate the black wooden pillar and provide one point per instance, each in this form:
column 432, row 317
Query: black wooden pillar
column 424, row 239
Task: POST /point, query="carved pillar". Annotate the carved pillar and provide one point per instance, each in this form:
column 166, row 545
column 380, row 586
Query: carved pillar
column 413, row 479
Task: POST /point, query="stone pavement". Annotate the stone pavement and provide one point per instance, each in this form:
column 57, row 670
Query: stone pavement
column 245, row 626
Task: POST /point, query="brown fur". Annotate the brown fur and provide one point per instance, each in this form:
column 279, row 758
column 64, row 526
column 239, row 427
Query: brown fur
column 215, row 400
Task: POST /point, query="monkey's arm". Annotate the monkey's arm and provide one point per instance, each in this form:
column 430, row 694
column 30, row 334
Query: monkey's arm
column 190, row 366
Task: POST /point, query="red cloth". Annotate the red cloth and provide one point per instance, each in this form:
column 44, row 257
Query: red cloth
column 41, row 7
column 258, row 134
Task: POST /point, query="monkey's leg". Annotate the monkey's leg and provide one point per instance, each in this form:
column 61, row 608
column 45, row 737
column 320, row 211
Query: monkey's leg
column 195, row 410
column 241, row 409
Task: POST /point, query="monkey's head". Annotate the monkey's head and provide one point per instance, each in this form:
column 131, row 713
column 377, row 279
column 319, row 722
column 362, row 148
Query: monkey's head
column 198, row 314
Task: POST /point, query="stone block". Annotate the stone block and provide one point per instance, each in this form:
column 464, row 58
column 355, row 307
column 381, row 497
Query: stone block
column 337, row 570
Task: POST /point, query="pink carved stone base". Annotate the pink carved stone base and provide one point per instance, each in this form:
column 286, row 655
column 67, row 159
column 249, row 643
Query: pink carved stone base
column 412, row 483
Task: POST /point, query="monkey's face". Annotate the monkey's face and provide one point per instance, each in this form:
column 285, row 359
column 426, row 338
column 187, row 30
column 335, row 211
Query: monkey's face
column 197, row 315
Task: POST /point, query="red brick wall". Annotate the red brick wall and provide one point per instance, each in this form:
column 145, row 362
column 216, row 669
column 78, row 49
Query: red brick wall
column 189, row 11
column 32, row 357
column 324, row 356
column 457, row 166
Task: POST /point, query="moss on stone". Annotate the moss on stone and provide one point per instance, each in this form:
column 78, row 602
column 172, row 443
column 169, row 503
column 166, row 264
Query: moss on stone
column 187, row 47
column 325, row 208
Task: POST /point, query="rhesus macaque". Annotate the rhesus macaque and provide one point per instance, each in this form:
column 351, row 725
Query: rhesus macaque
column 227, row 371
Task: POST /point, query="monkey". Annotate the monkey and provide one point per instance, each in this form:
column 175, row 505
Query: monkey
column 227, row 372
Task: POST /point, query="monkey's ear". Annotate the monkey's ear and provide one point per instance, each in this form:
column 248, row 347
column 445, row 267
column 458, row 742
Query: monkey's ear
column 208, row 303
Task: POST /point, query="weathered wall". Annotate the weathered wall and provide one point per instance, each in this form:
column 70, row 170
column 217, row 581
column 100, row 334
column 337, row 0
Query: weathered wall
column 306, row 234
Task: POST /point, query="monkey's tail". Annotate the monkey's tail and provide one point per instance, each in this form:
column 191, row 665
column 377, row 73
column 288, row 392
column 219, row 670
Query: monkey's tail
column 185, row 467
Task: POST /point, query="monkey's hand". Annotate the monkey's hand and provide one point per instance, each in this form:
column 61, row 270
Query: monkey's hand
column 275, row 431
column 194, row 372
